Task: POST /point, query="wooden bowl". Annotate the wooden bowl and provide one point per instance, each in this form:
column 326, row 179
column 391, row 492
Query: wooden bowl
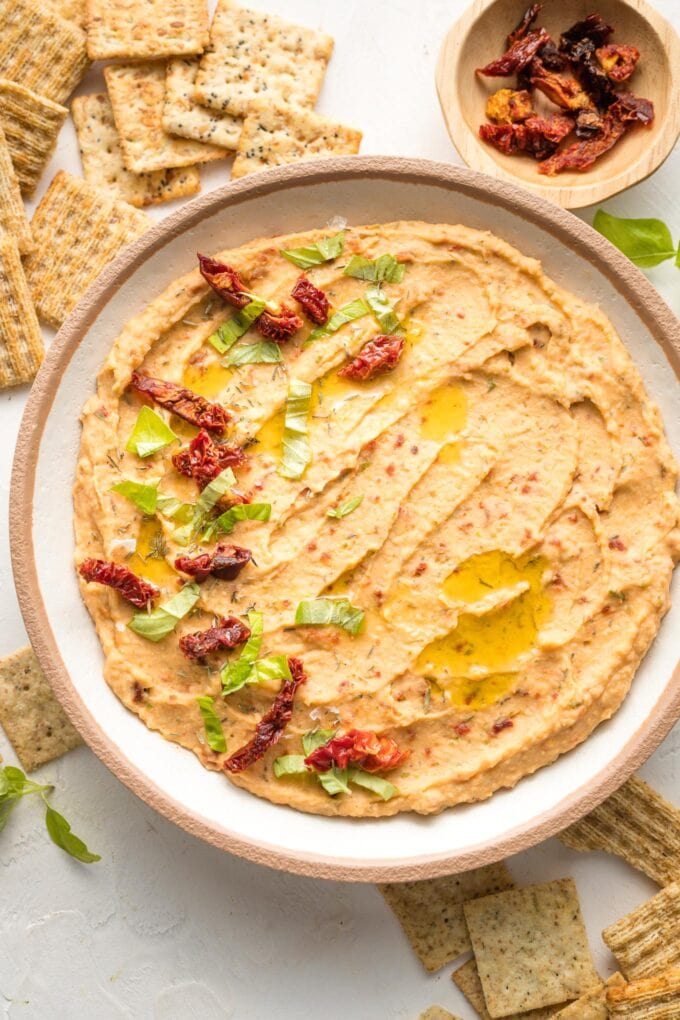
column 479, row 37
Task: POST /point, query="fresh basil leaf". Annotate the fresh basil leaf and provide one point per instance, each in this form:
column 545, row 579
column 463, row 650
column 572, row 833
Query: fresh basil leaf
column 60, row 833
column 160, row 622
column 290, row 765
column 236, row 674
column 275, row 667
column 347, row 313
column 241, row 512
column 150, row 434
column 646, row 242
column 325, row 250
column 323, row 611
column 384, row 269
column 144, row 496
column 229, row 332
column 296, row 449
column 335, row 781
column 214, row 734
column 383, row 310
column 13, row 786
column 264, row 352
column 373, row 783
column 174, row 509
column 315, row 738
column 207, row 501
column 345, row 508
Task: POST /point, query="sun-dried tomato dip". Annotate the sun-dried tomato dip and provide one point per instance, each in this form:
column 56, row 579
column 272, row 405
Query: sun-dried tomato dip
column 405, row 555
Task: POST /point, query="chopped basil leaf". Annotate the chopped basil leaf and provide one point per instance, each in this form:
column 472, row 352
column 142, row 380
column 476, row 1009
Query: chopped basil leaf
column 373, row 783
column 150, row 433
column 315, row 738
column 229, row 332
column 143, row 496
column 296, row 450
column 345, row 508
column 384, row 269
column 335, row 781
column 241, row 512
column 325, row 250
column 264, row 352
column 160, row 622
column 322, row 611
column 646, row 242
column 214, row 734
column 383, row 310
column 273, row 668
column 207, row 501
column 290, row 765
column 347, row 313
column 174, row 508
column 236, row 675
column 60, row 833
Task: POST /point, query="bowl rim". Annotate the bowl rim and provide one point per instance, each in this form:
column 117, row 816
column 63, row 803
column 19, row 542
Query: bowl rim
column 570, row 196
column 623, row 276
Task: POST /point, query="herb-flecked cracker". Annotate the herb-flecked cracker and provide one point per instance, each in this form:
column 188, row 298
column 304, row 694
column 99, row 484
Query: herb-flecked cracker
column 102, row 159
column 146, row 29
column 183, row 116
column 78, row 230
column 12, row 213
column 21, row 344
column 531, row 947
column 592, row 1005
column 31, row 124
column 276, row 133
column 137, row 93
column 437, row 1013
column 654, row 998
column 467, row 980
column 431, row 911
column 30, row 715
column 40, row 50
column 647, row 941
column 635, row 823
column 252, row 55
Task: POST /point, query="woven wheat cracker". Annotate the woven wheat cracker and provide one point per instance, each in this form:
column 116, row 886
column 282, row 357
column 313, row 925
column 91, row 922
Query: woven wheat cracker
column 21, row 345
column 592, row 1005
column 40, row 50
column 647, row 941
column 71, row 10
column 184, row 117
column 12, row 213
column 655, row 998
column 31, row 124
column 146, row 29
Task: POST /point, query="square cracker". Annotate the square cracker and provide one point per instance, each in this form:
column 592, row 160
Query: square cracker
column 40, row 50
column 31, row 124
column 467, row 980
column 635, row 823
column 103, row 164
column 184, row 117
column 431, row 911
column 647, row 941
column 146, row 29
column 253, row 55
column 31, row 716
column 276, row 133
column 78, row 230
column 437, row 1013
column 592, row 1005
column 137, row 93
column 12, row 213
column 21, row 344
column 531, row 947
column 655, row 998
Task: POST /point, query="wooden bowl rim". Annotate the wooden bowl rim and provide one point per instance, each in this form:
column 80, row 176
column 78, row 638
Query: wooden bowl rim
column 568, row 230
column 591, row 190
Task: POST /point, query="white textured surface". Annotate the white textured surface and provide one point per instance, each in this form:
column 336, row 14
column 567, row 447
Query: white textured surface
column 166, row 927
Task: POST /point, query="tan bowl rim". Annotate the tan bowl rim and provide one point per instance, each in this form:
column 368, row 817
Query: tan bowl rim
column 623, row 276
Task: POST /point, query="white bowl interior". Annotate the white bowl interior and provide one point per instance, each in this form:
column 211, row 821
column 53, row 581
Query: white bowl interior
column 175, row 772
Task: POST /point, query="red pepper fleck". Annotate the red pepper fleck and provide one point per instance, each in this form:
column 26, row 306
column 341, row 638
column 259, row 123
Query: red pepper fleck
column 414, row 449
column 381, row 354
column 225, row 563
column 224, row 280
column 616, row 543
column 204, row 459
column 367, row 750
column 400, row 440
column 228, row 633
column 390, row 469
column 502, row 724
column 420, row 569
column 315, row 304
column 183, row 402
column 132, row 588
column 462, row 729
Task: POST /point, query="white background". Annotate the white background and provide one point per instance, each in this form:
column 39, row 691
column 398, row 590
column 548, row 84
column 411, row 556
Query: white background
column 164, row 926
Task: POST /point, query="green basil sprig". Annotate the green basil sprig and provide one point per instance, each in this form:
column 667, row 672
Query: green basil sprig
column 646, row 242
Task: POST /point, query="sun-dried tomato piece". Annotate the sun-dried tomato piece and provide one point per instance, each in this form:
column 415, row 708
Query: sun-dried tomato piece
column 517, row 56
column 618, row 60
column 632, row 109
column 581, row 155
column 380, row 354
column 224, row 280
column 225, row 563
column 366, row 750
column 183, row 402
column 593, row 27
column 509, row 106
column 132, row 588
column 228, row 633
column 525, row 22
column 563, row 91
column 278, row 326
column 538, row 136
column 589, row 123
column 315, row 304
column 551, row 57
column 204, row 459
column 272, row 724
column 594, row 80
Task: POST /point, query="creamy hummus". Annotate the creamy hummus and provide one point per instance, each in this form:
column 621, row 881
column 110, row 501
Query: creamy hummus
column 512, row 552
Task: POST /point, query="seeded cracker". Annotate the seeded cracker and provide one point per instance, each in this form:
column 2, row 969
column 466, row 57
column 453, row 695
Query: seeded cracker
column 635, row 823
column 78, row 230
column 656, row 998
column 137, row 92
column 275, row 133
column 467, row 980
column 592, row 1005
column 21, row 345
column 30, row 715
column 253, row 55
column 31, row 124
column 103, row 165
column 431, row 911
column 40, row 50
column 437, row 1013
column 12, row 213
column 647, row 941
column 184, row 117
column 146, row 29
column 531, row 947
